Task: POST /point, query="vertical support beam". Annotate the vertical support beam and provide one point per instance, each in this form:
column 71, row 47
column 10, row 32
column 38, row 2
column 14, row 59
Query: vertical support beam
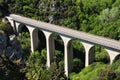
column 50, row 47
column 113, row 54
column 89, row 53
column 16, row 26
column 33, row 37
column 68, row 55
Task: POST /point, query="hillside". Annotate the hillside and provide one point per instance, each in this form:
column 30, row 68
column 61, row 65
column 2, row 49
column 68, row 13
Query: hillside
column 92, row 16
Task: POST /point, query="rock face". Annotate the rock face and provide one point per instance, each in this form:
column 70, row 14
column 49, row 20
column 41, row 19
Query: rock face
column 3, row 42
column 10, row 46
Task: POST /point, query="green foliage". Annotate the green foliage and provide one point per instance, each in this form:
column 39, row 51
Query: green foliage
column 108, row 15
column 78, row 45
column 58, row 56
column 77, row 65
column 56, row 72
column 97, row 17
column 89, row 73
column 112, row 72
column 35, row 67
column 24, row 40
column 101, row 55
column 99, row 71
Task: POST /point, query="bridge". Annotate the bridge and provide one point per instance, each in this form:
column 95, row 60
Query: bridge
column 67, row 35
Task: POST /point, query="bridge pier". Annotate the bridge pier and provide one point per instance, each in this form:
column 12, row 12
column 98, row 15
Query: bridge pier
column 33, row 37
column 16, row 26
column 113, row 54
column 50, row 47
column 68, row 55
column 89, row 53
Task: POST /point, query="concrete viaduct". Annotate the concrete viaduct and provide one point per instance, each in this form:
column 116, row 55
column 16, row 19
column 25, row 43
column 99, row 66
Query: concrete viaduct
column 67, row 35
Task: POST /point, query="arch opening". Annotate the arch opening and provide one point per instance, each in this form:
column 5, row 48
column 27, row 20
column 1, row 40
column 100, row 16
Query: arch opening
column 59, row 49
column 24, row 39
column 101, row 55
column 117, row 58
column 78, row 55
column 22, row 28
column 42, row 41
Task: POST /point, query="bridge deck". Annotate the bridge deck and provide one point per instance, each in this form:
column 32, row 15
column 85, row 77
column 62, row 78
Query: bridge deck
column 106, row 42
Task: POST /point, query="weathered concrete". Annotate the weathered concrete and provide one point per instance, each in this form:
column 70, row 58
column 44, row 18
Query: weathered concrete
column 50, row 47
column 33, row 37
column 89, row 53
column 113, row 54
column 17, row 26
column 68, row 55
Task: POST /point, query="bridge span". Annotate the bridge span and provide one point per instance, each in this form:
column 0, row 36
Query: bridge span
column 88, row 40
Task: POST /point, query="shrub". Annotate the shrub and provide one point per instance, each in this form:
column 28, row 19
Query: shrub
column 90, row 73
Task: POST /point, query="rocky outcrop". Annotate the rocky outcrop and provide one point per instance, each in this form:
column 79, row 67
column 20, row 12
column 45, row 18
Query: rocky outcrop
column 3, row 42
column 11, row 48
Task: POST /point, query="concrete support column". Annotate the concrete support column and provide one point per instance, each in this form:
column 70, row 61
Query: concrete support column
column 68, row 55
column 89, row 53
column 16, row 26
column 12, row 23
column 113, row 54
column 33, row 37
column 50, row 47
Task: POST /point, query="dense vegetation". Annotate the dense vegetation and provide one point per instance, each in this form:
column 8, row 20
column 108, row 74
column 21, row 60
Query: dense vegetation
column 97, row 17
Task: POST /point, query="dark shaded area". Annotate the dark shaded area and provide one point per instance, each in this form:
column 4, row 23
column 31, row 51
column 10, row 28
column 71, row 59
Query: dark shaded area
column 9, row 70
column 23, row 28
column 117, row 58
column 42, row 40
column 4, row 8
column 80, row 64
column 59, row 46
column 79, row 54
column 101, row 55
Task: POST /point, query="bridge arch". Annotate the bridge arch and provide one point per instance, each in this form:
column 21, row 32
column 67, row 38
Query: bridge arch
column 42, row 40
column 117, row 58
column 58, row 47
column 113, row 54
column 101, row 54
column 78, row 55
column 22, row 28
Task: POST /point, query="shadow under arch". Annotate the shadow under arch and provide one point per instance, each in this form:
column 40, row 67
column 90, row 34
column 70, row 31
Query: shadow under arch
column 58, row 48
column 78, row 55
column 22, row 28
column 24, row 39
column 42, row 40
column 99, row 54
column 117, row 58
